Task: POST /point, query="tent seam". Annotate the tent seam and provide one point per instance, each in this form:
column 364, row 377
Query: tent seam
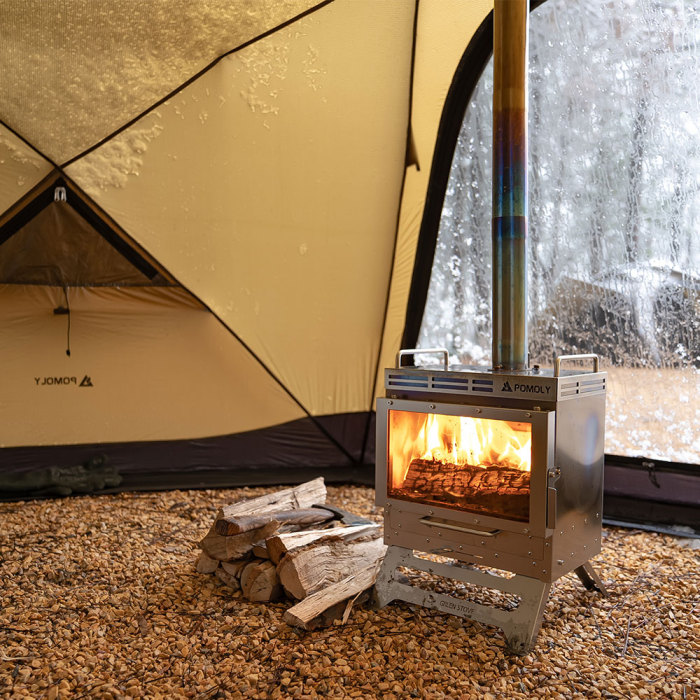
column 245, row 346
column 192, row 79
column 31, row 194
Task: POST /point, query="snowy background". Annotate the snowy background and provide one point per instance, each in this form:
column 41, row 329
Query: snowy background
column 614, row 227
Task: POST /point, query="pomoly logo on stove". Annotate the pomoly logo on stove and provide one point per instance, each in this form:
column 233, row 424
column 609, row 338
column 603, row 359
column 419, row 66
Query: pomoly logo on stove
column 525, row 388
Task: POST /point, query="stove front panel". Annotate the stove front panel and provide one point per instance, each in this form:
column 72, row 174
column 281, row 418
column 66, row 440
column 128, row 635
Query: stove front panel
column 466, row 463
column 478, row 465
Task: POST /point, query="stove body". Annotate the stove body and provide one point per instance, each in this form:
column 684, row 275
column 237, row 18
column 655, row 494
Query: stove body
column 537, row 516
column 500, row 468
column 556, row 524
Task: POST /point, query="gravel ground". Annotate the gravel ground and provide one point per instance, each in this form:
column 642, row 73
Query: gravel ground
column 100, row 600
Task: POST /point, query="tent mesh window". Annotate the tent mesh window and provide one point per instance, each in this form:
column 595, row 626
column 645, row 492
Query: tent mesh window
column 58, row 238
column 614, row 213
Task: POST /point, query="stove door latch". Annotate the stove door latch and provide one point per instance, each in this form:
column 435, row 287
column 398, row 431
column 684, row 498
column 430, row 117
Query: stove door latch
column 553, row 474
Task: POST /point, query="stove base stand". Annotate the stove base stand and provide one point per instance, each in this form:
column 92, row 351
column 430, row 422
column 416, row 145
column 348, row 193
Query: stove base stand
column 520, row 626
column 589, row 578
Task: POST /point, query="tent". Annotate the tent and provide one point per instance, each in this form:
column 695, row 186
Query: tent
column 217, row 221
column 214, row 208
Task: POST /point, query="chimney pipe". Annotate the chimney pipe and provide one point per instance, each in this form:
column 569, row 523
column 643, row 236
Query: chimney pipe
column 509, row 223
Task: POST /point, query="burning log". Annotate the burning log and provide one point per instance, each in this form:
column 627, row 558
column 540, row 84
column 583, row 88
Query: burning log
column 502, row 490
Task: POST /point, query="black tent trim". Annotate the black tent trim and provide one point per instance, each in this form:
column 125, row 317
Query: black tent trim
column 25, row 201
column 652, row 494
column 226, row 461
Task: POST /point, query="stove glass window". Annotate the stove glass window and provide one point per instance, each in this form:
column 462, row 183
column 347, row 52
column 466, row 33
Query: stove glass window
column 477, row 465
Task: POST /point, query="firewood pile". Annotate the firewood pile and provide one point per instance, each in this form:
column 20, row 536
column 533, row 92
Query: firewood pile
column 290, row 544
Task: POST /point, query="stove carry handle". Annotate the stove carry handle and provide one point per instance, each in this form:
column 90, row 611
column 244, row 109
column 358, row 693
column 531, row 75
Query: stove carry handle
column 561, row 358
column 424, row 351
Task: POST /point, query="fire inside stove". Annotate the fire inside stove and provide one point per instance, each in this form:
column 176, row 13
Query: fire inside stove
column 477, row 465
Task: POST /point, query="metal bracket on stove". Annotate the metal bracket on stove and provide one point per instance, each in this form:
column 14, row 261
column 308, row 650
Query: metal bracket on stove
column 590, row 579
column 425, row 351
column 520, row 626
column 587, row 356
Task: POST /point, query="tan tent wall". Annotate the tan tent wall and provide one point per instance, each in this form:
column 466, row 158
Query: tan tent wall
column 21, row 168
column 269, row 188
column 443, row 33
column 158, row 367
column 279, row 188
column 75, row 72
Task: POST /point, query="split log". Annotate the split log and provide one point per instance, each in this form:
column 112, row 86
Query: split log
column 206, row 564
column 278, row 545
column 298, row 517
column 259, row 551
column 231, row 581
column 313, row 567
column 303, row 496
column 329, row 603
column 235, row 546
column 234, row 568
column 246, row 570
column 260, row 583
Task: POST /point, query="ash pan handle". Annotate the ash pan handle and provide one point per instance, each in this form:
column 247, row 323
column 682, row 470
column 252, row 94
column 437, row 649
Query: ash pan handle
column 458, row 528
column 424, row 351
column 561, row 358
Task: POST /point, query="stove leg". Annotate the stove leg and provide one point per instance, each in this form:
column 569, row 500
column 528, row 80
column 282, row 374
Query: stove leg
column 520, row 625
column 590, row 579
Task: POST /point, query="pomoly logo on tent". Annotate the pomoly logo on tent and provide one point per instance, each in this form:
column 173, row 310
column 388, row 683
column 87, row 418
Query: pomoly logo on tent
column 63, row 381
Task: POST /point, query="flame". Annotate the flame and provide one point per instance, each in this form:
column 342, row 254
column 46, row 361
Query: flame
column 456, row 440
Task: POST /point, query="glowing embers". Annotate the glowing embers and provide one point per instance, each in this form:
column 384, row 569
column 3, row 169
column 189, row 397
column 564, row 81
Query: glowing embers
column 474, row 464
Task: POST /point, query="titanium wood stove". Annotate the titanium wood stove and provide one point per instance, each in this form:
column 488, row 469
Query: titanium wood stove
column 499, row 469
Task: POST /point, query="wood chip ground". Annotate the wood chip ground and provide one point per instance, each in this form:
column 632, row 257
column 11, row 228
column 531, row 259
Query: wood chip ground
column 100, row 599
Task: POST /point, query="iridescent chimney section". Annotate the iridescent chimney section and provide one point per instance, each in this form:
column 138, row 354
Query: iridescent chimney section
column 509, row 225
